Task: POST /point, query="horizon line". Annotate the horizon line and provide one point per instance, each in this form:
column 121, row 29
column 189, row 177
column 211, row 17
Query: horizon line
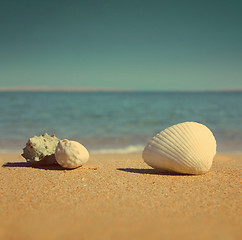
column 99, row 89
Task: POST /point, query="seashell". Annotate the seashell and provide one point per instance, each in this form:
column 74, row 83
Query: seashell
column 187, row 148
column 41, row 149
column 71, row 154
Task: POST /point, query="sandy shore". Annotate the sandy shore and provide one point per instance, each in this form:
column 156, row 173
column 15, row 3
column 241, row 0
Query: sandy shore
column 117, row 196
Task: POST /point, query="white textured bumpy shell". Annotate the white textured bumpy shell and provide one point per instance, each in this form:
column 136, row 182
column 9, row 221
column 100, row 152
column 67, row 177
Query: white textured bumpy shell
column 187, row 147
column 71, row 154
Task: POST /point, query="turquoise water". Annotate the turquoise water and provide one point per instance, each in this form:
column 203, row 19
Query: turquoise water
column 116, row 121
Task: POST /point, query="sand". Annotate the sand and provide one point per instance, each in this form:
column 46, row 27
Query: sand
column 117, row 196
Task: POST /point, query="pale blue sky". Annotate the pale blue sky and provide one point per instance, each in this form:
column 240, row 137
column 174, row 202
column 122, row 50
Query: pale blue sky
column 139, row 45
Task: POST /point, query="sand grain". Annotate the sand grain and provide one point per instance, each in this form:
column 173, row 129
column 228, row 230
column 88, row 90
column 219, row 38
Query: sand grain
column 117, row 196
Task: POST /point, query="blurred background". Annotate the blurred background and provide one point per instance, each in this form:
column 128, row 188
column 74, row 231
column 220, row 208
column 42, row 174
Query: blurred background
column 111, row 74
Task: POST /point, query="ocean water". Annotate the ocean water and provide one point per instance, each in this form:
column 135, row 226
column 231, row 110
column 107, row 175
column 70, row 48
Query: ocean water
column 116, row 121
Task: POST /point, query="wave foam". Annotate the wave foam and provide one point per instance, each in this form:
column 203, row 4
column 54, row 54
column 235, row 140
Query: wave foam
column 128, row 149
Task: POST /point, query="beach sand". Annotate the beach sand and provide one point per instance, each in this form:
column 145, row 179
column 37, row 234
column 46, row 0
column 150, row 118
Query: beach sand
column 117, row 196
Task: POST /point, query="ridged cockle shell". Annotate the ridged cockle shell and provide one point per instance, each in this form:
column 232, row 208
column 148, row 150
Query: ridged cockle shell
column 71, row 154
column 187, row 147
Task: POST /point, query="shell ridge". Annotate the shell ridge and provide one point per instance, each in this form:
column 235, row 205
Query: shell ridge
column 185, row 139
column 176, row 155
column 190, row 147
column 183, row 148
column 187, row 147
column 157, row 152
column 194, row 132
column 197, row 132
column 154, row 157
column 170, row 149
column 166, row 153
column 157, row 147
column 194, row 138
column 171, row 142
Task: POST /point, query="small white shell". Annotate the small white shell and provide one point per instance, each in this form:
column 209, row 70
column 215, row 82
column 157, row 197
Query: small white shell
column 187, row 147
column 71, row 154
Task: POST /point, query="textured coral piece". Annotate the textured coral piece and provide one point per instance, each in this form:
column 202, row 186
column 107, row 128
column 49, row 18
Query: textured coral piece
column 41, row 149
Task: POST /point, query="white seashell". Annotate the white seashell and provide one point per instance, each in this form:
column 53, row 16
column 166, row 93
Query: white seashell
column 187, row 147
column 71, row 154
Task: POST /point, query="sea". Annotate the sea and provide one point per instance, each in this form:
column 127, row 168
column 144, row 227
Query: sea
column 116, row 122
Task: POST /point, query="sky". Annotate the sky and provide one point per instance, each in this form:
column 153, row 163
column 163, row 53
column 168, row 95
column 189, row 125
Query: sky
column 120, row 44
